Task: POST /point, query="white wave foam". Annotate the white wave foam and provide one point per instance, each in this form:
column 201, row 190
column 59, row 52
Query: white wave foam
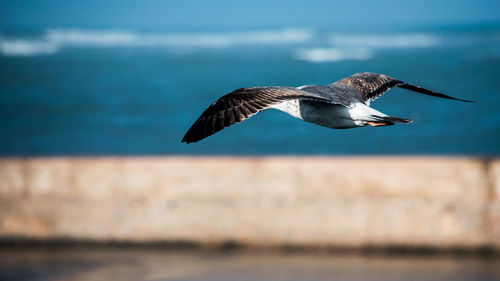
column 385, row 40
column 331, row 54
column 56, row 39
column 89, row 38
column 124, row 38
column 27, row 47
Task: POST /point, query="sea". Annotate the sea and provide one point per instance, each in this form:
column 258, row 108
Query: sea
column 80, row 91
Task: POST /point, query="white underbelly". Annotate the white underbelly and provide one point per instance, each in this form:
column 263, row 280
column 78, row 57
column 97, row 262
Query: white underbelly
column 324, row 114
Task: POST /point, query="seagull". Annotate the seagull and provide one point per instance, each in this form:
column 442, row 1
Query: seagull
column 340, row 105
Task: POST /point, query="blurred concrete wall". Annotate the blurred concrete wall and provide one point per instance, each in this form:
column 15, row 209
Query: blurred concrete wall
column 316, row 201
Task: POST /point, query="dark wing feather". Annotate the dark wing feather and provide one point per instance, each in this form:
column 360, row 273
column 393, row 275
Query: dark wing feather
column 239, row 105
column 373, row 85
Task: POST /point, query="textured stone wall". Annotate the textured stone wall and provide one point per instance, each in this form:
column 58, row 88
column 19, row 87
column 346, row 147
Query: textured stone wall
column 316, row 201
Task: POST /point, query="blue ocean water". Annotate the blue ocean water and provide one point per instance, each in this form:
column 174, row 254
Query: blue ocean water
column 81, row 91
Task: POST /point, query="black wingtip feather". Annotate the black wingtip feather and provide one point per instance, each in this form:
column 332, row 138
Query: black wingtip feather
column 424, row 91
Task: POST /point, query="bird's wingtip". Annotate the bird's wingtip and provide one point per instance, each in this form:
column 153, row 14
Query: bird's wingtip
column 472, row 101
column 462, row 100
column 189, row 139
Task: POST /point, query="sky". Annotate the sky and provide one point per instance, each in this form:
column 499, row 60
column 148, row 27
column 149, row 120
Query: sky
column 243, row 14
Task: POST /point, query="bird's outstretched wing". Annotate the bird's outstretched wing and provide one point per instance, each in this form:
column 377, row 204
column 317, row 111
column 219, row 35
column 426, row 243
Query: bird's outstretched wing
column 373, row 85
column 241, row 104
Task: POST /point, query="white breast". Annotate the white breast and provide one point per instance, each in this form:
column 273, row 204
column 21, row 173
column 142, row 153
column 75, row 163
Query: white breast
column 291, row 107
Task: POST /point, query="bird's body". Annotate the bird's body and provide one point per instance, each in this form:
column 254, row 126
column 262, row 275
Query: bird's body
column 350, row 112
column 329, row 115
column 341, row 105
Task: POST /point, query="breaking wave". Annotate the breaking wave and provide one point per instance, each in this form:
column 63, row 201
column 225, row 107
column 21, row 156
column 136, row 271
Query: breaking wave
column 384, row 40
column 309, row 45
column 20, row 47
column 55, row 39
column 331, row 54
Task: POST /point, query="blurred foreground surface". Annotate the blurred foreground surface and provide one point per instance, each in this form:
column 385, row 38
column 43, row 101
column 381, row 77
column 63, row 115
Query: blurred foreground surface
column 148, row 265
column 353, row 202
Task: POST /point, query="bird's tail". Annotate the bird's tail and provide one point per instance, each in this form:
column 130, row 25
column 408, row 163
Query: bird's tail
column 391, row 119
column 388, row 120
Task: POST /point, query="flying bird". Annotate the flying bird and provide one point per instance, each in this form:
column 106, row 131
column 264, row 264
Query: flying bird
column 340, row 105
